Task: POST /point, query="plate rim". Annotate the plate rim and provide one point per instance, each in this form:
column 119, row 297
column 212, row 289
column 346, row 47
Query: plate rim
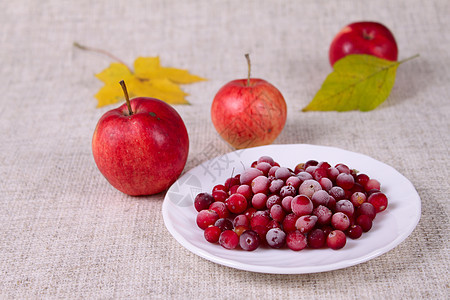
column 295, row 270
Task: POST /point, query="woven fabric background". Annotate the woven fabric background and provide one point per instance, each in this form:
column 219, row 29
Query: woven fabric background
column 66, row 233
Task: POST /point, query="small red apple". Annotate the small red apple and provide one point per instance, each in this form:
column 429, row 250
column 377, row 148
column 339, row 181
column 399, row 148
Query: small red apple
column 364, row 38
column 141, row 147
column 248, row 112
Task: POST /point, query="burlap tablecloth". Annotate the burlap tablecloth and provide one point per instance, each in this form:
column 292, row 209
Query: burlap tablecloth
column 66, row 233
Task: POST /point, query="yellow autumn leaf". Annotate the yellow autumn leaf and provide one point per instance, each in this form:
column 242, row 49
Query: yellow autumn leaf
column 148, row 79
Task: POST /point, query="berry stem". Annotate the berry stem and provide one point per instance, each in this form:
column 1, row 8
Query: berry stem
column 247, row 56
column 127, row 98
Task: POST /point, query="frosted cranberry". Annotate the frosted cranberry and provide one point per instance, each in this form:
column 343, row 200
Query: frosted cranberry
column 332, row 173
column 309, row 187
column 272, row 171
column 220, row 195
column 357, row 188
column 220, row 187
column 212, row 234
column 346, row 207
column 277, row 213
column 311, row 170
column 206, row 218
column 289, row 222
column 220, row 208
column 294, row 181
column 241, row 220
column 323, row 165
column 343, row 168
column 264, row 167
column 249, row 212
column 323, row 214
column 311, row 162
column 320, row 197
column 336, row 239
column 245, row 190
column 236, row 203
column 224, row 224
column 275, row 186
column 299, row 168
column 366, row 209
column 316, row 238
column 273, row 224
column 306, row 223
column 340, row 221
column 229, row 239
column 362, row 179
column 337, row 192
column 301, row 205
column 233, row 189
column 345, row 181
column 248, row 175
column 272, row 200
column 259, row 220
column 282, row 173
column 276, row 238
column 326, row 183
column 288, row 190
column 354, row 232
column 260, row 185
column 286, row 203
column 249, row 240
column 372, row 184
column 267, row 159
column 304, row 176
column 319, row 173
column 241, row 229
column 331, row 203
column 229, row 182
column 261, row 231
column 365, row 222
column 379, row 201
column 259, row 200
column 295, row 240
column 203, row 201
column 358, row 198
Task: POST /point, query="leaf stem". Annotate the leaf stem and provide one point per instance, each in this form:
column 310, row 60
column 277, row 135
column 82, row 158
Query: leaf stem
column 409, row 58
column 113, row 57
column 247, row 56
column 127, row 98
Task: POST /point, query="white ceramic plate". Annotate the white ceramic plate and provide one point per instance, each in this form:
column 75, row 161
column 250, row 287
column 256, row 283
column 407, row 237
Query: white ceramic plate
column 390, row 227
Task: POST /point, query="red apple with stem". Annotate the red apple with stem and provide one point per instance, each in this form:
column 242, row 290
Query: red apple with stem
column 371, row 38
column 141, row 147
column 248, row 112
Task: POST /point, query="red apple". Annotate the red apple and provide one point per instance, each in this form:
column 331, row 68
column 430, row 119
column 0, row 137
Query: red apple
column 141, row 147
column 248, row 112
column 364, row 38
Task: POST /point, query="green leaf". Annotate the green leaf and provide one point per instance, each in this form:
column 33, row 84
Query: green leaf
column 358, row 82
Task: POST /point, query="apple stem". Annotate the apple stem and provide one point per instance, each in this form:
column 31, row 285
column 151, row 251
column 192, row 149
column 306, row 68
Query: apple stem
column 247, row 56
column 127, row 98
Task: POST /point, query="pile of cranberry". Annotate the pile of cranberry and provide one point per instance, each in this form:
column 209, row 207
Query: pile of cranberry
column 315, row 205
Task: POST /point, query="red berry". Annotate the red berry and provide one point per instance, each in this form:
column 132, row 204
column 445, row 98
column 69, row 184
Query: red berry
column 379, row 201
column 336, row 239
column 212, row 234
column 236, row 203
column 206, row 217
column 229, row 239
